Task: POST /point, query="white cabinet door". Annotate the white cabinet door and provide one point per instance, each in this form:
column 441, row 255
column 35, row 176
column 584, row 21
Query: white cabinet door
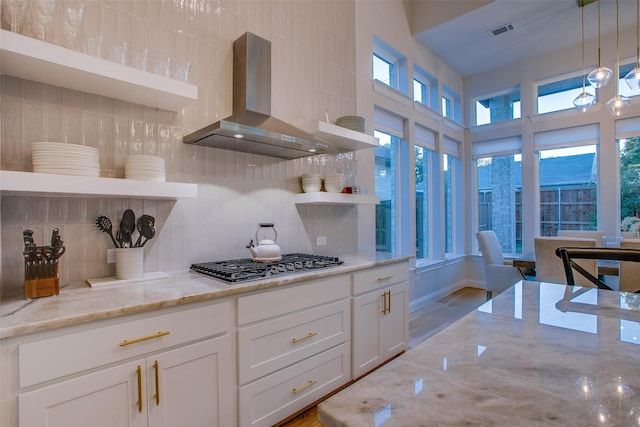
column 379, row 334
column 107, row 398
column 193, row 385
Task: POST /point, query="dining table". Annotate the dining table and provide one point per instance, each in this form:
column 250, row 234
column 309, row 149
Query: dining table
column 527, row 262
column 537, row 354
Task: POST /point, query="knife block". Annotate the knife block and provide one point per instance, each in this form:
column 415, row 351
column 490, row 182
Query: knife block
column 44, row 287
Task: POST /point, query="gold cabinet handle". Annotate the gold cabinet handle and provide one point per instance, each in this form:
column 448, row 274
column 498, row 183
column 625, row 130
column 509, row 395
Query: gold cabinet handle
column 306, row 337
column 389, row 303
column 157, row 395
column 139, row 374
column 380, row 279
column 386, row 302
column 148, row 337
column 307, row 385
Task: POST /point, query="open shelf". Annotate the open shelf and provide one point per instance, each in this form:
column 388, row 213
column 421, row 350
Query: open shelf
column 323, row 198
column 47, row 185
column 43, row 62
column 345, row 139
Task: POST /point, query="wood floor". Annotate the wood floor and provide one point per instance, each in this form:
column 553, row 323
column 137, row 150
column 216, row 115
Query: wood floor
column 422, row 324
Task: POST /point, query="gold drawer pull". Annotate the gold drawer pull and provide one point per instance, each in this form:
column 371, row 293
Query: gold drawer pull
column 307, row 385
column 148, row 337
column 306, row 337
column 380, row 279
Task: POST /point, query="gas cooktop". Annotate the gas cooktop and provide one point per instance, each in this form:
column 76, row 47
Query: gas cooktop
column 241, row 270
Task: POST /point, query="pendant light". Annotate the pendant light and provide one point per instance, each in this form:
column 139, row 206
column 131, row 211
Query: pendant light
column 601, row 75
column 585, row 100
column 633, row 77
column 619, row 104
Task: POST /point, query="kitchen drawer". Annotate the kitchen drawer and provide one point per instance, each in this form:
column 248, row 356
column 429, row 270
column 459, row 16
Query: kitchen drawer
column 75, row 352
column 374, row 278
column 275, row 344
column 261, row 306
column 273, row 398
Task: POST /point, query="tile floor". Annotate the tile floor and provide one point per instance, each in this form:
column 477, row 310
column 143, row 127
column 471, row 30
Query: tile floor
column 423, row 323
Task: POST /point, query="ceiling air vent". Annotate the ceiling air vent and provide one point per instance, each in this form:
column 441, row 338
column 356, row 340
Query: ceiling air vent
column 499, row 30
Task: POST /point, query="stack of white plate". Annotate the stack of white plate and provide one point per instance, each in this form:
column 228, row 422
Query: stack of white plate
column 144, row 167
column 334, row 182
column 311, row 182
column 65, row 159
column 351, row 122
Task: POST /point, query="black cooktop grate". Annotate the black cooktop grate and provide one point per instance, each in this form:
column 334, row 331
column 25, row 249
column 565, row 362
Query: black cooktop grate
column 240, row 270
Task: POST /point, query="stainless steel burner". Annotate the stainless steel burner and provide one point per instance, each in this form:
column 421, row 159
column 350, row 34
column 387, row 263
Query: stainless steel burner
column 240, row 270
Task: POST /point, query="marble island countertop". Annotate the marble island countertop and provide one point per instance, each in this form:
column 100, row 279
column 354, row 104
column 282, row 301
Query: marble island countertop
column 79, row 303
column 538, row 354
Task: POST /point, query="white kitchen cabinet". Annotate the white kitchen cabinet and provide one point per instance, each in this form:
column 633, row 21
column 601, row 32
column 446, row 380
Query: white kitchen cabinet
column 166, row 369
column 380, row 316
column 293, row 348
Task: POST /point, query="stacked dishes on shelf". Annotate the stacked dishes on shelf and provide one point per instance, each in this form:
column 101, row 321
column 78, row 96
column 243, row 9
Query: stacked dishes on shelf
column 65, row 159
column 311, row 182
column 145, row 168
column 334, row 182
column 351, row 122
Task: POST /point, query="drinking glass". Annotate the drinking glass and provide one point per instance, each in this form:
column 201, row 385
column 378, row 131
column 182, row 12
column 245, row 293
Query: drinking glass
column 13, row 13
column 72, row 15
column 39, row 18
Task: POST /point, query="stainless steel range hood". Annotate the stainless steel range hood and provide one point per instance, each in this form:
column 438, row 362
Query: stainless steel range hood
column 251, row 128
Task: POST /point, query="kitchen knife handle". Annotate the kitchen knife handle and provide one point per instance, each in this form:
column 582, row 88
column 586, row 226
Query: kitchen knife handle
column 139, row 374
column 156, row 368
column 148, row 337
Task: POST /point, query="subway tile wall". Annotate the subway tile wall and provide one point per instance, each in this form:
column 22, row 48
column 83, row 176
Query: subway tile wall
column 312, row 66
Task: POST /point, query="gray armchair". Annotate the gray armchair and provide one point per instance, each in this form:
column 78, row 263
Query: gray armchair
column 499, row 274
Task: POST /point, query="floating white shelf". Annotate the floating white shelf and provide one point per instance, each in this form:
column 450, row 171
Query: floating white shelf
column 323, row 198
column 43, row 184
column 345, row 139
column 32, row 59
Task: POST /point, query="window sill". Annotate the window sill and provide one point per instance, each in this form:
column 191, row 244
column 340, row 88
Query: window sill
column 391, row 93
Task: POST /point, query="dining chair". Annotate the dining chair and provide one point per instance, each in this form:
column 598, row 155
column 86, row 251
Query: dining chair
column 629, row 272
column 549, row 267
column 569, row 255
column 584, row 234
column 499, row 274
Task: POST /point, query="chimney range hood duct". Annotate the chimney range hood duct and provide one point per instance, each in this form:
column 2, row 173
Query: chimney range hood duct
column 251, row 128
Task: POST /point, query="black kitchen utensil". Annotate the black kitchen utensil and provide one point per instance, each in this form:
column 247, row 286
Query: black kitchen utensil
column 144, row 220
column 148, row 232
column 105, row 225
column 128, row 226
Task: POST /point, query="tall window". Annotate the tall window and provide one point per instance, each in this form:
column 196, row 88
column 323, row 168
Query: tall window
column 389, row 66
column 451, row 104
column 425, row 88
column 628, row 139
column 500, row 106
column 499, row 181
column 424, row 154
column 568, row 162
column 452, row 168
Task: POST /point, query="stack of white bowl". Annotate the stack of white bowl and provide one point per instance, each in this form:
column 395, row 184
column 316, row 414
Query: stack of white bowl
column 145, row 168
column 351, row 122
column 311, row 182
column 65, row 159
column 334, row 182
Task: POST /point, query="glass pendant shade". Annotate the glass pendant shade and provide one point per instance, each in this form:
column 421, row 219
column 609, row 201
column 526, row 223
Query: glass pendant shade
column 633, row 78
column 618, row 105
column 584, row 101
column 600, row 76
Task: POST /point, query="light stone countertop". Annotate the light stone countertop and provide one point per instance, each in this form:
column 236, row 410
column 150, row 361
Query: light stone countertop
column 538, row 354
column 79, row 303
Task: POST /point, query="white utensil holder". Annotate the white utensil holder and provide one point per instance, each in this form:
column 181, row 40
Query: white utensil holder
column 129, row 263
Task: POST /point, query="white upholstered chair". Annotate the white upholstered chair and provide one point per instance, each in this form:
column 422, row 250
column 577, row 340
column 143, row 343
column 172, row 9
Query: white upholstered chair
column 549, row 267
column 499, row 274
column 629, row 271
column 585, row 234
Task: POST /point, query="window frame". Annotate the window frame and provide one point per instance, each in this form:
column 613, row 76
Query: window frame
column 397, row 62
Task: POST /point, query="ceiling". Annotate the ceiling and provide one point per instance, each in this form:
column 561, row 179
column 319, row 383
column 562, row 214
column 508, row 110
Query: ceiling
column 459, row 33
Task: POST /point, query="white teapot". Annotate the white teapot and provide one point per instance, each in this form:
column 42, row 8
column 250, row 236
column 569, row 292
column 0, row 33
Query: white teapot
column 266, row 250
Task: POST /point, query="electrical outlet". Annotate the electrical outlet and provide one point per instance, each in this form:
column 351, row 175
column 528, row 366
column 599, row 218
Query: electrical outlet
column 321, row 240
column 111, row 256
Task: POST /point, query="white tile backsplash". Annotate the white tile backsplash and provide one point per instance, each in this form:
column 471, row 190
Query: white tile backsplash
column 312, row 54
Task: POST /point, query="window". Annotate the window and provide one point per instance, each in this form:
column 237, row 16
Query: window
column 389, row 66
column 425, row 88
column 568, row 162
column 500, row 106
column 452, row 177
column 451, row 104
column 499, row 186
column 625, row 90
column 424, row 154
column 628, row 139
column 559, row 95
